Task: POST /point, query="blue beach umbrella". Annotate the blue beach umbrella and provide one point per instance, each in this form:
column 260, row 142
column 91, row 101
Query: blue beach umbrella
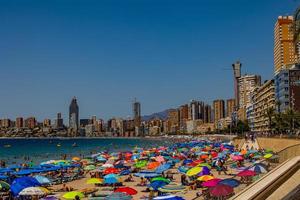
column 125, row 172
column 163, row 168
column 146, row 175
column 168, row 197
column 111, row 178
column 3, row 177
column 5, row 170
column 157, row 184
column 24, row 172
column 42, row 180
column 20, row 183
column 230, row 182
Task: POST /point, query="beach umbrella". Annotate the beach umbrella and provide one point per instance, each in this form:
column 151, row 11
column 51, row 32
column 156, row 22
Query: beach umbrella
column 246, row 173
column 230, row 181
column 146, row 175
column 157, row 184
column 94, row 181
column 118, row 196
column 90, row 167
column 205, row 171
column 185, row 162
column 3, row 177
column 160, row 159
column 50, row 198
column 111, row 179
column 4, row 185
column 30, row 191
column 72, row 195
column 153, row 165
column 6, row 170
column 237, row 158
column 269, row 155
column 162, row 168
column 204, row 165
column 42, row 179
column 141, row 164
column 258, row 169
column 107, row 165
column 183, row 169
column 20, row 183
column 168, row 197
column 211, row 183
column 126, row 190
column 76, row 159
column 221, row 190
column 160, row 179
column 111, row 171
column 205, row 178
column 125, row 172
column 194, row 171
column 172, row 188
column 24, row 172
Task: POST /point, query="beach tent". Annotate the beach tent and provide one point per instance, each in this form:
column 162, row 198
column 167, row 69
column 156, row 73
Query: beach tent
column 20, row 183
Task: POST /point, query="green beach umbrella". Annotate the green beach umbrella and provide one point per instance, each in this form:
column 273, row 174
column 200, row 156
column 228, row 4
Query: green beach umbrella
column 141, row 164
column 160, row 179
column 4, row 185
column 90, row 167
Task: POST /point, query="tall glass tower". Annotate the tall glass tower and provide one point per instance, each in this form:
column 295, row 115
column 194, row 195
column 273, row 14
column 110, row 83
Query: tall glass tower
column 74, row 115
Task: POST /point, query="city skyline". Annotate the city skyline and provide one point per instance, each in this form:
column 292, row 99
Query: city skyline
column 171, row 69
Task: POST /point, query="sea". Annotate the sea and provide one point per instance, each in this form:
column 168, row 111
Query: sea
column 18, row 151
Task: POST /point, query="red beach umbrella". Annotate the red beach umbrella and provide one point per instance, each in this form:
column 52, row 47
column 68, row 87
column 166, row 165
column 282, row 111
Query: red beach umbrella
column 237, row 158
column 111, row 171
column 246, row 173
column 211, row 183
column 221, row 190
column 127, row 190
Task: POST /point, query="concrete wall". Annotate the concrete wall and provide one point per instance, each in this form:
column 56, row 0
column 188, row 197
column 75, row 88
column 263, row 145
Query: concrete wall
column 276, row 144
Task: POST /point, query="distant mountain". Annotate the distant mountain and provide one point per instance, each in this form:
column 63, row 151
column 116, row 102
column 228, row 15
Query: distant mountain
column 161, row 115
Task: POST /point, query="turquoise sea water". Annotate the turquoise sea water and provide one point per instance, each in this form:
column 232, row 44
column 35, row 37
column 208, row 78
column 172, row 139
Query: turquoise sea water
column 39, row 150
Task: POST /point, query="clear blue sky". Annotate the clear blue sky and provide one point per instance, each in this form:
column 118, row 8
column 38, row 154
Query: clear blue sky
column 106, row 52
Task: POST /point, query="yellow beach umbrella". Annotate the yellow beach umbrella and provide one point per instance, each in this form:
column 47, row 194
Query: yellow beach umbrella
column 72, row 195
column 194, row 171
column 94, row 181
column 269, row 155
column 205, row 178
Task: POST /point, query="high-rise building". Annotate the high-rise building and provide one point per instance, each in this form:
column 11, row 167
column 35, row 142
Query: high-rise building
column 6, row 123
column 230, row 107
column 207, row 114
column 263, row 99
column 219, row 110
column 74, row 115
column 284, row 47
column 183, row 115
column 196, row 110
column 59, row 123
column 47, row 123
column 30, row 122
column 247, row 84
column 287, row 89
column 19, row 122
column 136, row 109
column 173, row 120
column 236, row 75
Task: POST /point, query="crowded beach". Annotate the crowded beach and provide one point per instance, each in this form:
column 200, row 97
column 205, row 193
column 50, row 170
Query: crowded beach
column 190, row 169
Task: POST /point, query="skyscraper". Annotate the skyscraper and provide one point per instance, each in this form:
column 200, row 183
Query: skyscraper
column 74, row 115
column 219, row 110
column 207, row 114
column 230, row 107
column 19, row 122
column 136, row 108
column 284, row 47
column 196, row 110
column 247, row 84
column 59, row 121
column 236, row 75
